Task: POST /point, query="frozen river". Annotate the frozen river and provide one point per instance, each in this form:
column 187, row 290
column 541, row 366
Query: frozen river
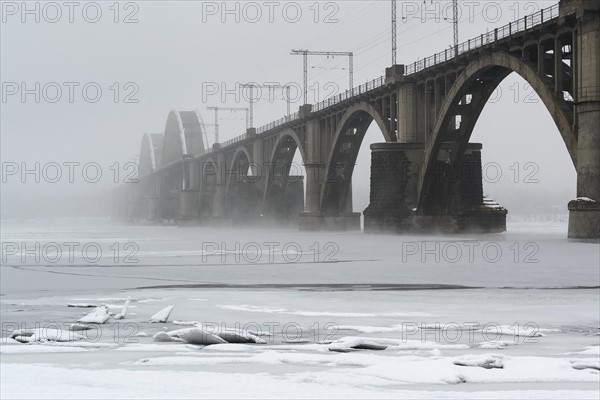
column 512, row 315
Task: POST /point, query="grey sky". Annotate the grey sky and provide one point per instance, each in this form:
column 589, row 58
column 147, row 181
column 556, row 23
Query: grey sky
column 178, row 47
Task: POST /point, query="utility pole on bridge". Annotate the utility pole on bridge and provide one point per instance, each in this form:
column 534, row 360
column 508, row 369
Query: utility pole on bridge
column 394, row 32
column 252, row 86
column 455, row 22
column 306, row 53
column 217, row 109
column 455, row 25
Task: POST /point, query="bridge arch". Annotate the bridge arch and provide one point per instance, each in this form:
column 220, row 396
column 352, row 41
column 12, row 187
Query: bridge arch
column 344, row 150
column 467, row 98
column 241, row 199
column 174, row 146
column 184, row 136
column 150, row 154
column 277, row 172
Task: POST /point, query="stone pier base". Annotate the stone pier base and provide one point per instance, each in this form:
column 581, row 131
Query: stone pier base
column 395, row 171
column 584, row 219
column 188, row 208
column 492, row 221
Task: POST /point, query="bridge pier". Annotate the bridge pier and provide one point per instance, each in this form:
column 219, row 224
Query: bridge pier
column 584, row 212
column 314, row 219
column 285, row 201
column 188, row 207
column 151, row 211
column 395, row 169
column 220, row 187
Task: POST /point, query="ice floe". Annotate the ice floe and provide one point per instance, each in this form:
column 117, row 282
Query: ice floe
column 75, row 327
column 586, row 363
column 45, row 335
column 123, row 312
column 499, row 345
column 487, row 361
column 99, row 316
column 351, row 343
column 162, row 337
column 199, row 336
column 163, row 315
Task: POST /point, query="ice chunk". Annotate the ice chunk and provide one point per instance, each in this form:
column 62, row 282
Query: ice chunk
column 197, row 336
column 22, row 332
column 487, row 361
column 163, row 315
column 162, row 337
column 45, row 335
column 586, row 363
column 498, row 345
column 123, row 312
column 239, row 336
column 79, row 327
column 352, row 343
column 99, row 316
column 346, row 345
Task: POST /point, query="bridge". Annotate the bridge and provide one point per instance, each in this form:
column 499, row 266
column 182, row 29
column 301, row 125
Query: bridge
column 426, row 175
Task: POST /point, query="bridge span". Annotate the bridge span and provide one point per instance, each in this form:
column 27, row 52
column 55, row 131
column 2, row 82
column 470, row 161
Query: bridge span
column 426, row 175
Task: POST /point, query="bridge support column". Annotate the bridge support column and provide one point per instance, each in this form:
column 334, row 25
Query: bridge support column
column 394, row 178
column 160, row 196
column 220, row 187
column 286, row 201
column 584, row 212
column 314, row 218
column 309, row 219
column 407, row 114
column 258, row 168
column 152, row 208
column 189, row 207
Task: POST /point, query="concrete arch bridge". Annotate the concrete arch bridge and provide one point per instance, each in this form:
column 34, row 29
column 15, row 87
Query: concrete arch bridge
column 424, row 175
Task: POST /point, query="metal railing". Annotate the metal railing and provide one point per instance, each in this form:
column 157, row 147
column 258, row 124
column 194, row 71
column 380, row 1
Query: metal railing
column 277, row 123
column 358, row 90
column 234, row 140
column 523, row 24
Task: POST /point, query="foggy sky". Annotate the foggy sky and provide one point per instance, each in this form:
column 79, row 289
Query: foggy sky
column 175, row 49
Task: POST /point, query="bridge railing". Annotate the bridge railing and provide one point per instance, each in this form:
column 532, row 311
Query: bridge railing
column 234, row 140
column 364, row 88
column 277, row 123
column 527, row 22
